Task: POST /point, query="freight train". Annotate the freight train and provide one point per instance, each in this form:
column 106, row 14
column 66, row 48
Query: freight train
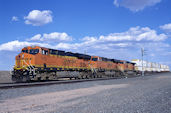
column 36, row 63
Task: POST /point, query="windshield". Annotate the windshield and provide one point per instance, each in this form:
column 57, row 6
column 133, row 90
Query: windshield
column 25, row 51
column 34, row 51
column 94, row 59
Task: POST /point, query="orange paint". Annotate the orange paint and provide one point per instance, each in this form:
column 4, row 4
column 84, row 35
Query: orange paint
column 41, row 59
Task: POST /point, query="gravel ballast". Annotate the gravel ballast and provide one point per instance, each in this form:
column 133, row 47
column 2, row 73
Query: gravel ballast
column 149, row 94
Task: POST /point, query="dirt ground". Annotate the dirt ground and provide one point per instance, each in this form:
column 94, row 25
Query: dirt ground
column 5, row 77
column 148, row 94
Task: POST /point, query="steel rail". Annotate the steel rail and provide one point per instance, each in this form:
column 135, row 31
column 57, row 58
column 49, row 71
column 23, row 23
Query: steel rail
column 30, row 84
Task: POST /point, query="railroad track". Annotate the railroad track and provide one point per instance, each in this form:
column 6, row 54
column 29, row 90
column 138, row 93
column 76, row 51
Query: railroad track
column 31, row 84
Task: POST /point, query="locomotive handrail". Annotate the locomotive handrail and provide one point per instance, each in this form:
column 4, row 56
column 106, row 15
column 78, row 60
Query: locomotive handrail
column 92, row 69
column 30, row 67
column 33, row 69
column 11, row 70
column 26, row 64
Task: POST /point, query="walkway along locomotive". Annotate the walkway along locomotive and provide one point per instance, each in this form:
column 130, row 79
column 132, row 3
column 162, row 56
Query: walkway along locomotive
column 36, row 63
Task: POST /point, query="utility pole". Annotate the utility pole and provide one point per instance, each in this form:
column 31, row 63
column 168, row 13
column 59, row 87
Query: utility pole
column 142, row 53
column 85, row 52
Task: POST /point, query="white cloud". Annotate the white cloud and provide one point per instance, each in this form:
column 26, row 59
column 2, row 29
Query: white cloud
column 35, row 37
column 57, row 36
column 125, row 45
column 133, row 38
column 116, row 45
column 65, row 46
column 14, row 18
column 166, row 27
column 135, row 5
column 54, row 36
column 89, row 39
column 122, row 44
column 38, row 18
column 116, row 3
column 135, row 34
column 17, row 45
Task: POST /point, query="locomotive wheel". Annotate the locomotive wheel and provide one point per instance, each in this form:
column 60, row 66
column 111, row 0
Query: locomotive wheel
column 47, row 78
column 39, row 79
column 75, row 78
column 24, row 79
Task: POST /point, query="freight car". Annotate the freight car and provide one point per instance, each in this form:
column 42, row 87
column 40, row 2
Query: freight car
column 149, row 67
column 36, row 63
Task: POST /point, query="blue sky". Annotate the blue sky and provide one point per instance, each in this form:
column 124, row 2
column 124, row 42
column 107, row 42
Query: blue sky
column 109, row 28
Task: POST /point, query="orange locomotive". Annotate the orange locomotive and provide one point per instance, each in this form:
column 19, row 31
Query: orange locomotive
column 39, row 63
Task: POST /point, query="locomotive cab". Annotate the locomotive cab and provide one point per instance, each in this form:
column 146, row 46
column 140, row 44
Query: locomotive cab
column 93, row 61
column 31, row 50
column 24, row 62
column 26, row 57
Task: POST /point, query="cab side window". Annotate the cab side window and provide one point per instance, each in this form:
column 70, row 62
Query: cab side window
column 44, row 52
column 94, row 59
column 54, row 52
column 25, row 51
